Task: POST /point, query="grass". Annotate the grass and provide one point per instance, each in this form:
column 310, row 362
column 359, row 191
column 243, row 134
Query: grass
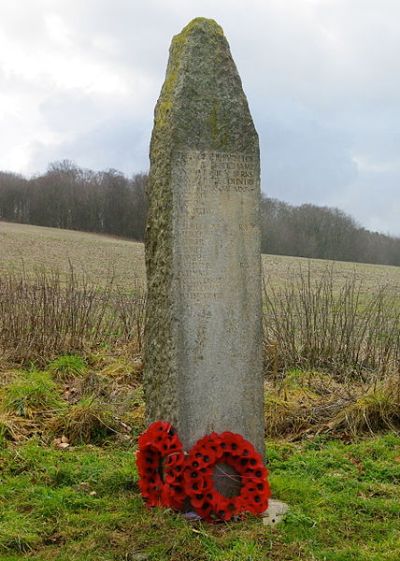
column 67, row 366
column 83, row 504
column 68, row 482
column 34, row 393
column 78, row 498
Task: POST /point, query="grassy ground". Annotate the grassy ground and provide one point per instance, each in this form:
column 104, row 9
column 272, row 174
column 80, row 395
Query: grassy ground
column 69, row 482
column 97, row 255
column 83, row 503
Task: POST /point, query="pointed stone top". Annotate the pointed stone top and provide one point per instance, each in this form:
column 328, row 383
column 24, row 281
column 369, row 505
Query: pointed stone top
column 202, row 104
column 200, row 24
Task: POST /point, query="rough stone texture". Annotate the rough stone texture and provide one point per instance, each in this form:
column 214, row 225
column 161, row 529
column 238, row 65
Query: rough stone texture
column 275, row 514
column 203, row 343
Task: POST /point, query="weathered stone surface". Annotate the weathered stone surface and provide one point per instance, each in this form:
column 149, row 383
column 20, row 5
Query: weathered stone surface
column 203, row 344
column 276, row 513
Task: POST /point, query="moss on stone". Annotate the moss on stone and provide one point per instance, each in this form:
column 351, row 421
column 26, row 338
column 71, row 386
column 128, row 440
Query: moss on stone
column 202, row 101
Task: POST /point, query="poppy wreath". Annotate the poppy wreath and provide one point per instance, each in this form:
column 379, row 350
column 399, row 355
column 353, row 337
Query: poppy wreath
column 233, row 450
column 160, row 462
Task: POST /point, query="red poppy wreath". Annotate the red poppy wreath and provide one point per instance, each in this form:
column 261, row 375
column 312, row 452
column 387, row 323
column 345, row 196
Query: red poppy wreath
column 160, row 461
column 167, row 477
column 232, row 450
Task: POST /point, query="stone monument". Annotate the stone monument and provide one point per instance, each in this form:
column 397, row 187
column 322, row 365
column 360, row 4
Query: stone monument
column 203, row 331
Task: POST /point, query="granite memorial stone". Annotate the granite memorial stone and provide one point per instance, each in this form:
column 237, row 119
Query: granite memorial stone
column 203, row 330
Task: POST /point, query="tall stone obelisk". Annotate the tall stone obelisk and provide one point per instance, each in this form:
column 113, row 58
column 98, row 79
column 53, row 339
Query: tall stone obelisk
column 203, row 332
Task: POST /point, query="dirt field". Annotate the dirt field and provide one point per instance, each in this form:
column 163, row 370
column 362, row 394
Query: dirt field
column 33, row 247
column 30, row 247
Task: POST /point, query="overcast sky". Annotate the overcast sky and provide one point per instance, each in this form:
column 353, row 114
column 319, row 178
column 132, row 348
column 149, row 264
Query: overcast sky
column 79, row 80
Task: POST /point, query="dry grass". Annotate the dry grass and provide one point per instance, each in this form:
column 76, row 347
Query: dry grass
column 302, row 403
column 311, row 403
column 99, row 400
column 374, row 409
column 88, row 420
column 29, row 247
column 12, row 427
column 105, row 401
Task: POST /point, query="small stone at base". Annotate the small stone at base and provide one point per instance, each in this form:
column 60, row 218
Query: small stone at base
column 275, row 513
column 191, row 516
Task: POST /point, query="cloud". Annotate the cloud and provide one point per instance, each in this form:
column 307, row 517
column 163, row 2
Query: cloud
column 304, row 158
column 79, row 80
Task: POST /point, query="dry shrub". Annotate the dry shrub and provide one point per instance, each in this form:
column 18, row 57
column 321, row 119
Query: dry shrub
column 315, row 323
column 47, row 314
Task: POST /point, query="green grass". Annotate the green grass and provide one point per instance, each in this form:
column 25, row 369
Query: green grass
column 67, row 366
column 34, row 393
column 83, row 504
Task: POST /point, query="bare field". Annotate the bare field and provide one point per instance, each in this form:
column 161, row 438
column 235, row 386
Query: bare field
column 34, row 247
column 99, row 256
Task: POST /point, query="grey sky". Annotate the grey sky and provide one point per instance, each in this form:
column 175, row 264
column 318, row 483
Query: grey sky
column 79, row 80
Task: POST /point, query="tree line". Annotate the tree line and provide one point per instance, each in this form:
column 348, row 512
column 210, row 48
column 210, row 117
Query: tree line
column 108, row 202
column 323, row 233
column 70, row 197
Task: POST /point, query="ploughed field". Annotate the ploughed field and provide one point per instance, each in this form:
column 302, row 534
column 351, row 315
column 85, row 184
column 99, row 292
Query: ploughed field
column 30, row 247
column 71, row 408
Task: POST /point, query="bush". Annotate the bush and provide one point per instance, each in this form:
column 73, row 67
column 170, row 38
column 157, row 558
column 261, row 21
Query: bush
column 312, row 323
column 46, row 314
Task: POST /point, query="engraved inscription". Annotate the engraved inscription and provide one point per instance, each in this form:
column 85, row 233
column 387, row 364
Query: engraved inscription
column 220, row 171
column 217, row 269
